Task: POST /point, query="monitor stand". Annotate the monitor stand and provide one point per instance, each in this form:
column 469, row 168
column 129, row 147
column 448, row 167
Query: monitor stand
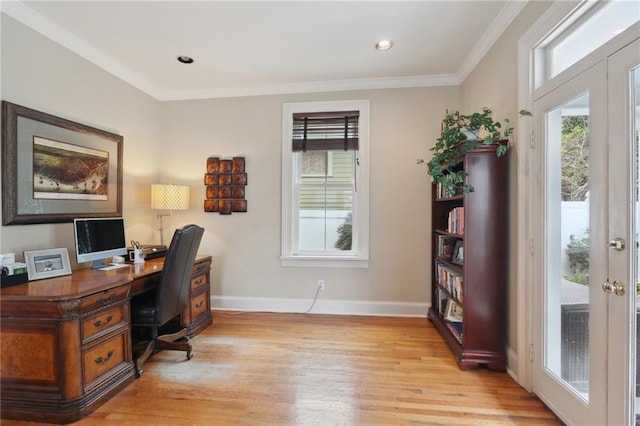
column 99, row 263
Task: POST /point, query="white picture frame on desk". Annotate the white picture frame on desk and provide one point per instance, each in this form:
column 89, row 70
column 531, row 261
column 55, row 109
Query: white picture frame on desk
column 47, row 263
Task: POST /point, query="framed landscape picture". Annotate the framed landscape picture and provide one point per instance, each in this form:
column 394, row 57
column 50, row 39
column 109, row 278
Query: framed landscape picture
column 54, row 170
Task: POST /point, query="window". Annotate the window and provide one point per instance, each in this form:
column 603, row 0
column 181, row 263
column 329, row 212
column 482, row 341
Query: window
column 325, row 184
column 591, row 26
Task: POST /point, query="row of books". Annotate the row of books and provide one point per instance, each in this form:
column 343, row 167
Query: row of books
column 455, row 221
column 450, row 280
column 440, row 192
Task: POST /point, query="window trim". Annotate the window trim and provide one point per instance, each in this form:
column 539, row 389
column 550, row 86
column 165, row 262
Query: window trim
column 361, row 199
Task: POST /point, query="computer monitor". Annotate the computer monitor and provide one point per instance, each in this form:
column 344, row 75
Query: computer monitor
column 97, row 239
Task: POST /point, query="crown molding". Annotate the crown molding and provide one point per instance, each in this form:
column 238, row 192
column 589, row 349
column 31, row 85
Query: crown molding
column 505, row 17
column 313, row 87
column 27, row 16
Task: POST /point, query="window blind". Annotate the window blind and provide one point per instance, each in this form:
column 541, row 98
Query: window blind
column 325, row 131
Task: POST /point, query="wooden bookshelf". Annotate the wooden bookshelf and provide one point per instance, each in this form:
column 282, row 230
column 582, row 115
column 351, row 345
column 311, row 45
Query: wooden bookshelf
column 468, row 292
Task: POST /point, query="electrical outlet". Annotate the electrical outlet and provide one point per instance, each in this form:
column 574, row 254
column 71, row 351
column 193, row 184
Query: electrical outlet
column 321, row 284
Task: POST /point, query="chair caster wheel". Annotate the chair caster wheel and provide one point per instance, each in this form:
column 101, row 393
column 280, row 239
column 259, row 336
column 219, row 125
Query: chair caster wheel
column 189, row 355
column 139, row 373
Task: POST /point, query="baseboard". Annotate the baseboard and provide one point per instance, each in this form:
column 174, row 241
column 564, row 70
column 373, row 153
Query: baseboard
column 336, row 307
column 512, row 364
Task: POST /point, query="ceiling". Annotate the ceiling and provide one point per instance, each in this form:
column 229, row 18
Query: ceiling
column 243, row 48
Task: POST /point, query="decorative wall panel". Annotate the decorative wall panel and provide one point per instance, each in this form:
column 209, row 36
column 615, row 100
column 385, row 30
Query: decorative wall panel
column 225, row 182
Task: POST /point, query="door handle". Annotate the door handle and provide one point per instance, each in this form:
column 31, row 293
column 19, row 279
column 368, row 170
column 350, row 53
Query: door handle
column 617, row 244
column 616, row 287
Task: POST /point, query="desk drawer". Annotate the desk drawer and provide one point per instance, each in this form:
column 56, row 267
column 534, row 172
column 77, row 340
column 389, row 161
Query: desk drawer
column 104, row 322
column 199, row 281
column 104, row 299
column 201, row 266
column 99, row 359
column 199, row 305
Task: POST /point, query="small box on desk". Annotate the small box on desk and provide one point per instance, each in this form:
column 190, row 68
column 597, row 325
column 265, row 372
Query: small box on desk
column 151, row 251
column 9, row 280
column 13, row 273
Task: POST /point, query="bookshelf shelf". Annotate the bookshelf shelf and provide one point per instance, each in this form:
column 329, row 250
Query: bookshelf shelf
column 468, row 291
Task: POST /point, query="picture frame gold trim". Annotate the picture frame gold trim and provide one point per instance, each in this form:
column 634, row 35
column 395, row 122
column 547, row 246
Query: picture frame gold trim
column 20, row 127
column 48, row 263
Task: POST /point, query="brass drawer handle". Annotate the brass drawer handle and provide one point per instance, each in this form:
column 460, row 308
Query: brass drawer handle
column 199, row 281
column 106, row 300
column 101, row 360
column 199, row 304
column 99, row 323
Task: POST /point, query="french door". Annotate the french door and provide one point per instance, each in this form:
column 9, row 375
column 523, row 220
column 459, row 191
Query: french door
column 586, row 177
column 624, row 230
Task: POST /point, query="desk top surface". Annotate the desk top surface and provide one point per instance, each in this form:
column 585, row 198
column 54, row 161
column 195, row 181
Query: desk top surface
column 83, row 282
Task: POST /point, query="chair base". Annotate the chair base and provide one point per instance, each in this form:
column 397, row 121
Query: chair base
column 178, row 341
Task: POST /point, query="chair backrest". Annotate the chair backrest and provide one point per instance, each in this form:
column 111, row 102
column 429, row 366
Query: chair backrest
column 172, row 297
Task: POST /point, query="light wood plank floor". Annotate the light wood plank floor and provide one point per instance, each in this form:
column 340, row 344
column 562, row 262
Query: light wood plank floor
column 297, row 369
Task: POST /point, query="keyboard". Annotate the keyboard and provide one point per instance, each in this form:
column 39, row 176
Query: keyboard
column 113, row 266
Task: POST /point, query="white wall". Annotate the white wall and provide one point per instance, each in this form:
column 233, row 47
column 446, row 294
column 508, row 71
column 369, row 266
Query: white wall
column 169, row 143
column 247, row 245
column 40, row 74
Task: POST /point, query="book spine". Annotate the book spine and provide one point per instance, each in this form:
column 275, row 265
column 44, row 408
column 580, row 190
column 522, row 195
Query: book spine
column 455, row 221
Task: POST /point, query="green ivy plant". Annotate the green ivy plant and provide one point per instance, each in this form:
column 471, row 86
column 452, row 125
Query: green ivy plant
column 460, row 134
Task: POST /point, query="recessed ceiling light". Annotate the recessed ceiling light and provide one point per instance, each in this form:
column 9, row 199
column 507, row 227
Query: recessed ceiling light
column 185, row 59
column 384, row 45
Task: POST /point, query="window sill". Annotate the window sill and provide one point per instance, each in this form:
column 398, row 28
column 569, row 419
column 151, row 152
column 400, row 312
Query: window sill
column 325, row 261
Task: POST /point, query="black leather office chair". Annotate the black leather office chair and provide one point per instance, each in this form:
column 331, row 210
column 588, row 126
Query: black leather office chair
column 151, row 311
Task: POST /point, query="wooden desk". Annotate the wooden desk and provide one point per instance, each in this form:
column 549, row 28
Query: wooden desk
column 65, row 342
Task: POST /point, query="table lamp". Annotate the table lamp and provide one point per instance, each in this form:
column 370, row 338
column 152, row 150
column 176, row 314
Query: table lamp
column 167, row 198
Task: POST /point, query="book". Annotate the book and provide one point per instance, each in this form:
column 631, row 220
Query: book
column 450, row 280
column 456, row 330
column 455, row 221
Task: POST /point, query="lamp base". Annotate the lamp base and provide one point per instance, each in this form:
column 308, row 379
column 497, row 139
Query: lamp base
column 161, row 229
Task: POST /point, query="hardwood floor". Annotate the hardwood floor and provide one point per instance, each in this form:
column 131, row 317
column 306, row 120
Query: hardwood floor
column 297, row 369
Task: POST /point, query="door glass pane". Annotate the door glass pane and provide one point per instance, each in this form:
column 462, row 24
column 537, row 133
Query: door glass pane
column 567, row 279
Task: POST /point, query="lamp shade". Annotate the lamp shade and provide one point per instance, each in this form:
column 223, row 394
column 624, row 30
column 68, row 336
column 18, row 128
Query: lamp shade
column 169, row 197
